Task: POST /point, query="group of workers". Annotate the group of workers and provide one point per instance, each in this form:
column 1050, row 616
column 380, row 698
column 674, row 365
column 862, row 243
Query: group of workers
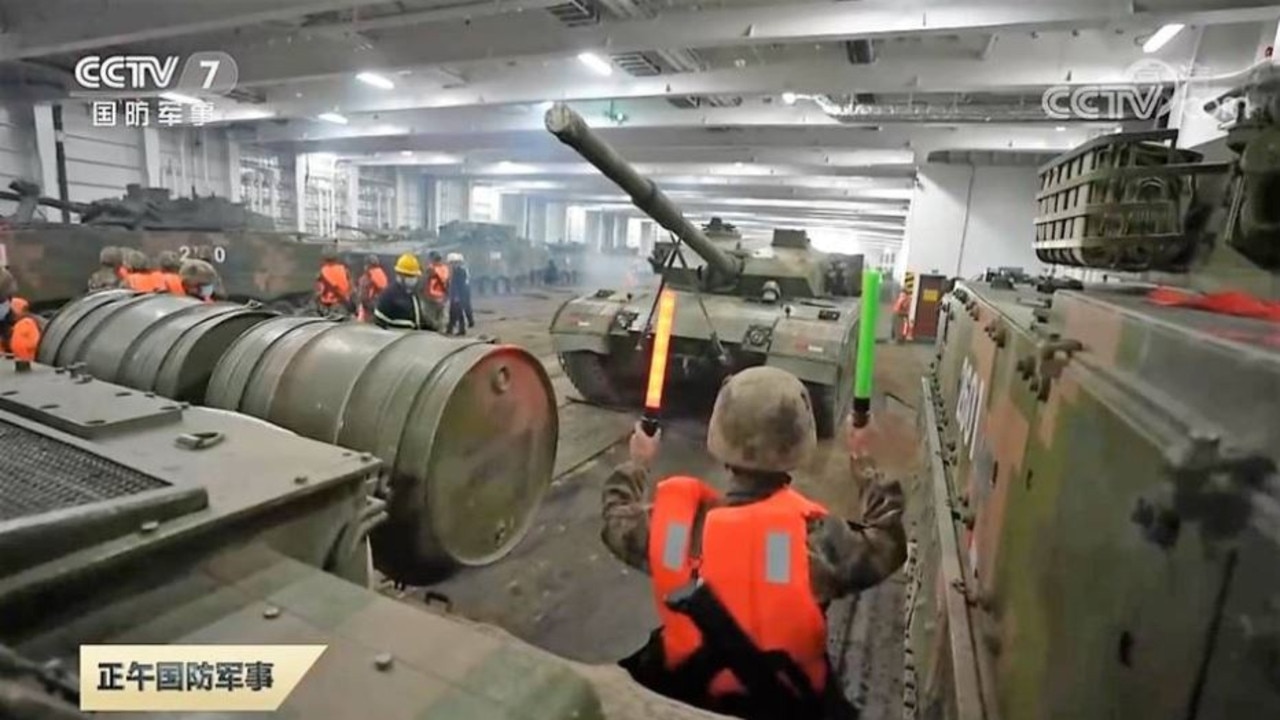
column 437, row 297
column 130, row 269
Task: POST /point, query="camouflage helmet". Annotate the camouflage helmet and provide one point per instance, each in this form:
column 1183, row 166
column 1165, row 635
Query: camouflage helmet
column 202, row 252
column 329, row 255
column 135, row 260
column 371, row 260
column 111, row 256
column 8, row 285
column 763, row 420
column 197, row 272
column 169, row 261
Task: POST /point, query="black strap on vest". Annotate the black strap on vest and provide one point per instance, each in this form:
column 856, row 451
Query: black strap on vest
column 725, row 646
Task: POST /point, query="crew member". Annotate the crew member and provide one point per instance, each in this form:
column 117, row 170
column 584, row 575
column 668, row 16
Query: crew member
column 900, row 329
column 209, row 255
column 400, row 306
column 199, row 279
column 371, row 284
column 437, row 289
column 139, row 275
column 19, row 329
column 110, row 273
column 763, row 553
column 333, row 286
column 460, row 317
column 552, row 273
column 170, row 264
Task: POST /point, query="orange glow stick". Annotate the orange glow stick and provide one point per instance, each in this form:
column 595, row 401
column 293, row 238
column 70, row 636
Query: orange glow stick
column 658, row 361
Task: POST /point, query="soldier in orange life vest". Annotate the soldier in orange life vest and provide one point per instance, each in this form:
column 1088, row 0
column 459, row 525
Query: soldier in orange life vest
column 371, row 284
column 19, row 330
column 333, row 286
column 138, row 272
column 170, row 281
column 768, row 558
column 199, row 279
column 437, row 288
column 109, row 274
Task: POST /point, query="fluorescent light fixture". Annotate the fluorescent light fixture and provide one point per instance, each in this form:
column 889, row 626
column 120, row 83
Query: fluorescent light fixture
column 375, row 80
column 789, row 98
column 1162, row 37
column 406, row 153
column 505, row 164
column 1061, row 128
column 596, row 63
column 180, row 98
column 333, row 117
column 738, row 164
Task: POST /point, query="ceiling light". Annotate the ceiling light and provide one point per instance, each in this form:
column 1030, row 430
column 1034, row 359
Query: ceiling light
column 406, row 153
column 789, row 98
column 375, row 80
column 545, row 106
column 1061, row 128
column 596, row 63
column 504, row 164
column 180, row 98
column 333, row 117
column 1162, row 37
column 738, row 164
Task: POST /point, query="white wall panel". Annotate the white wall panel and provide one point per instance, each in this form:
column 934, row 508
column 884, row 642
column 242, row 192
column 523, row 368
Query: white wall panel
column 101, row 161
column 18, row 157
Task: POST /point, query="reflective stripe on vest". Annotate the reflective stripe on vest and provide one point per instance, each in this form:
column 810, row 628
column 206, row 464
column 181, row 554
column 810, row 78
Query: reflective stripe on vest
column 755, row 557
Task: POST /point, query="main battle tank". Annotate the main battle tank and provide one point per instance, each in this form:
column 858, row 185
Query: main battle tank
column 131, row 519
column 52, row 261
column 738, row 310
column 1102, row 517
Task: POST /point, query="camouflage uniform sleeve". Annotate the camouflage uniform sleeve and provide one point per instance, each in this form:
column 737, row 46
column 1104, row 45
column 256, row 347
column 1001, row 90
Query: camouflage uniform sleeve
column 625, row 510
column 847, row 556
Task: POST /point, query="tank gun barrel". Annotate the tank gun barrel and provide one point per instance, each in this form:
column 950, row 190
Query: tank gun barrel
column 569, row 127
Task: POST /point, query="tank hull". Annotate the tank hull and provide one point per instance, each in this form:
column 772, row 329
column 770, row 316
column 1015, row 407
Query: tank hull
column 602, row 342
column 1101, row 504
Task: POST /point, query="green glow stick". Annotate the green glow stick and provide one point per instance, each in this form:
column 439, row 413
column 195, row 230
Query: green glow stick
column 866, row 359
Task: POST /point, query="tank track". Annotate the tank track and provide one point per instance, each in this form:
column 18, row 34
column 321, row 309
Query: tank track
column 588, row 373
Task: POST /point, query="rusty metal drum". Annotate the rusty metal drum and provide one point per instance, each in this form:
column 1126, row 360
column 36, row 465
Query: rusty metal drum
column 166, row 344
column 467, row 429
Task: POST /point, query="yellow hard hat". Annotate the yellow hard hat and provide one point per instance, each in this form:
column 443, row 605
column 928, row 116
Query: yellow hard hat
column 408, row 264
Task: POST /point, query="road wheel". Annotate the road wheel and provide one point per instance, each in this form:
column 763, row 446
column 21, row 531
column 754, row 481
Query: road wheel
column 590, row 375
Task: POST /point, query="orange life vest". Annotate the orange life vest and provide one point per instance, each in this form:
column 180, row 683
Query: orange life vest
column 376, row 282
column 24, row 335
column 437, row 281
column 755, row 558
column 144, row 281
column 334, row 285
column 172, row 283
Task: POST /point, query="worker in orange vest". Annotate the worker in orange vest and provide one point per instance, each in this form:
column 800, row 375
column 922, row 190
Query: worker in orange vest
column 901, row 327
column 170, row 264
column 333, row 287
column 741, row 579
column 437, row 288
column 19, row 329
column 140, row 274
column 371, row 284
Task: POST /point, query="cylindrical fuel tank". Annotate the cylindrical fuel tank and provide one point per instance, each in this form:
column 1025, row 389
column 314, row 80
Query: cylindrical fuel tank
column 468, row 429
column 166, row 344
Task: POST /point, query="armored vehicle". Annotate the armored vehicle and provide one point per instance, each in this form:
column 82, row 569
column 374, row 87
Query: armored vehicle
column 739, row 309
column 500, row 261
column 52, row 261
column 1103, row 518
column 127, row 518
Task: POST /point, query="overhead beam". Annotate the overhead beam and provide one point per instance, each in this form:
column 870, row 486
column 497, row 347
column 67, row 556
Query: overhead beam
column 1019, row 63
column 51, row 27
column 540, row 34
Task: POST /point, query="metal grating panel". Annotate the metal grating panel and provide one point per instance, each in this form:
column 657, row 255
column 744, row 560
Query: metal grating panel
column 40, row 475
